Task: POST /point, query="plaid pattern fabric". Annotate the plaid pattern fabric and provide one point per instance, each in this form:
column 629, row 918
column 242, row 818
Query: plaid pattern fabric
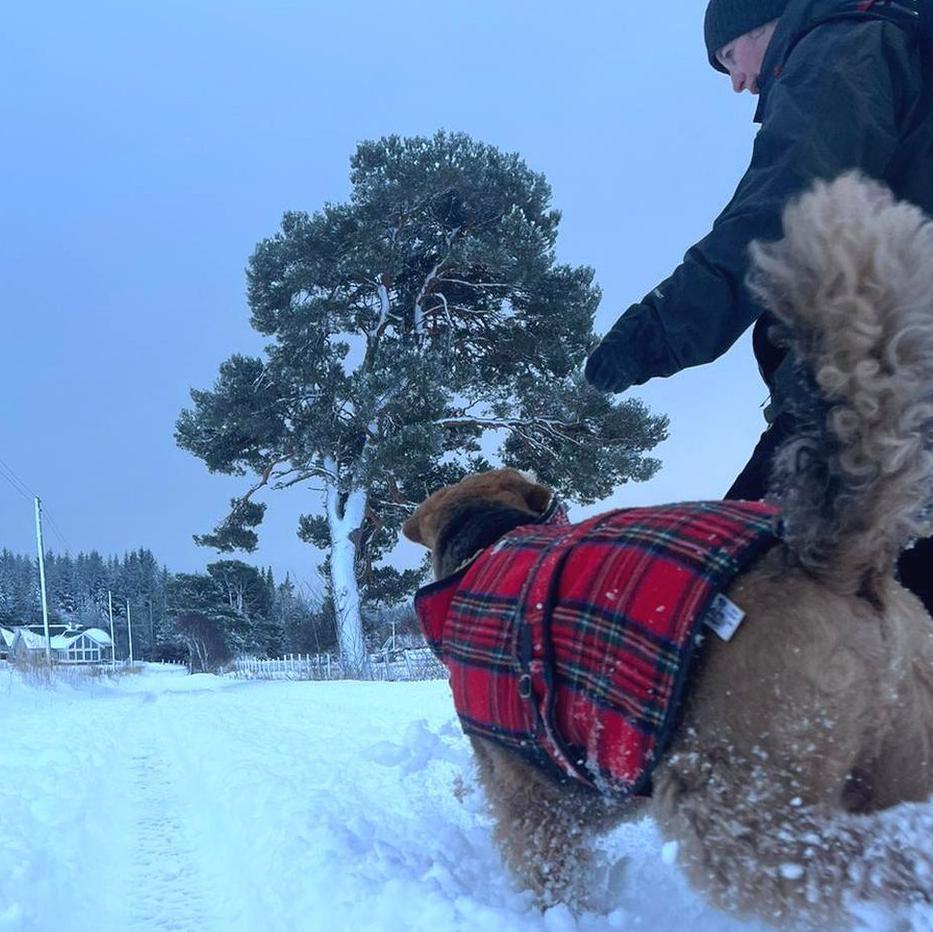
column 572, row 643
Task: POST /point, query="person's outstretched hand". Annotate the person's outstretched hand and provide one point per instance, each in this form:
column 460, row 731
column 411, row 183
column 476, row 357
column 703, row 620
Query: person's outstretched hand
column 611, row 366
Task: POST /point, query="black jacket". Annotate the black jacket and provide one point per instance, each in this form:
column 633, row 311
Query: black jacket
column 844, row 85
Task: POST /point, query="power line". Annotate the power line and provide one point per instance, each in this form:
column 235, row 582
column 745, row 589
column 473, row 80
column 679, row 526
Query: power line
column 57, row 530
column 19, row 486
column 14, row 480
column 15, row 487
column 9, row 469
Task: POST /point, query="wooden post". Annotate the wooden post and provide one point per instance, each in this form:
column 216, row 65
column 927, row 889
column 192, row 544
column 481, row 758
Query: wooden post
column 45, row 603
column 129, row 630
column 113, row 640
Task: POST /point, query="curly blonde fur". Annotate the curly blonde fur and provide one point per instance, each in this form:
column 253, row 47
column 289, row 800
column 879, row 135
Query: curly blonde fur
column 852, row 283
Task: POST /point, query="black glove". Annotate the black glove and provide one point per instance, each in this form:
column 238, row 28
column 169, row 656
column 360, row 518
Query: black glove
column 610, row 367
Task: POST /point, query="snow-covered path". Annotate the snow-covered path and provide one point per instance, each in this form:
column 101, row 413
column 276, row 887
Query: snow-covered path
column 168, row 802
column 163, row 863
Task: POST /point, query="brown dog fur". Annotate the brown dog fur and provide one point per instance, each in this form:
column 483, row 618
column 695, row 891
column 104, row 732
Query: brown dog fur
column 818, row 715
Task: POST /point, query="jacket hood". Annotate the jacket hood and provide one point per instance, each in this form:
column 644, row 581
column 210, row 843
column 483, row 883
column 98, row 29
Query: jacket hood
column 802, row 16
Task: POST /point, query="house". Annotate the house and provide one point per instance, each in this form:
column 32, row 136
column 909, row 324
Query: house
column 89, row 645
column 68, row 644
column 6, row 642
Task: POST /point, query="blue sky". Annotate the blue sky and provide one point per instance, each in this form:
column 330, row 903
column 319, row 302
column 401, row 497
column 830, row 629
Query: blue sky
column 147, row 148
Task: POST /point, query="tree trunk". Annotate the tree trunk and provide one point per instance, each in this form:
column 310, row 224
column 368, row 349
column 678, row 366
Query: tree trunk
column 342, row 522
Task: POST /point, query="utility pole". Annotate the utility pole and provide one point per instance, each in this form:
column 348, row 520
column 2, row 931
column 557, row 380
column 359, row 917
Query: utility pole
column 129, row 630
column 113, row 640
column 45, row 603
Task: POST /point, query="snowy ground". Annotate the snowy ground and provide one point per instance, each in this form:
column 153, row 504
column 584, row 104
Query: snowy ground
column 163, row 801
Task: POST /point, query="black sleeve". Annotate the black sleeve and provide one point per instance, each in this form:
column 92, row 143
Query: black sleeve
column 834, row 107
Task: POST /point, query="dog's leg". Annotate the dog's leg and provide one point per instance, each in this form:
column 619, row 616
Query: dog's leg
column 903, row 769
column 793, row 863
column 785, row 754
column 543, row 830
column 741, row 838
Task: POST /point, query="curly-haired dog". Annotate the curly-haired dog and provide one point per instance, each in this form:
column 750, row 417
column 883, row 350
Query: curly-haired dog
column 792, row 740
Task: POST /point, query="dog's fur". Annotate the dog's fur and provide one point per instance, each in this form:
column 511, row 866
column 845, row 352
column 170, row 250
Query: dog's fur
column 819, row 714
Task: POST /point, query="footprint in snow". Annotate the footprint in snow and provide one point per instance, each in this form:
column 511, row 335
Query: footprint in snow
column 418, row 748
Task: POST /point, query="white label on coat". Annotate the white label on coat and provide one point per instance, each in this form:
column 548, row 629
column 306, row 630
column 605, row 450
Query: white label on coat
column 724, row 617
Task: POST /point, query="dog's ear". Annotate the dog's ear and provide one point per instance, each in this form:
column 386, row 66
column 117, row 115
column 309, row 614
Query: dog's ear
column 412, row 528
column 537, row 497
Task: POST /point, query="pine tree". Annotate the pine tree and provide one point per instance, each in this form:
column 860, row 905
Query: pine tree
column 407, row 325
column 212, row 631
column 248, row 595
column 18, row 590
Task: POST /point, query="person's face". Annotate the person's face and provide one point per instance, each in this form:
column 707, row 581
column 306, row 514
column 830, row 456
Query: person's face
column 742, row 57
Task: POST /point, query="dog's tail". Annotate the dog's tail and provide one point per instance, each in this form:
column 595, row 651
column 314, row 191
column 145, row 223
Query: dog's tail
column 852, row 284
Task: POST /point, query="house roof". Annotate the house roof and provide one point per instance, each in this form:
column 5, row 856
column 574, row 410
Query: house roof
column 53, row 629
column 32, row 640
column 35, row 641
column 7, row 635
column 98, row 635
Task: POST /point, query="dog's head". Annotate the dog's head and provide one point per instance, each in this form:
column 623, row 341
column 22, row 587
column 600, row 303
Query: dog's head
column 503, row 488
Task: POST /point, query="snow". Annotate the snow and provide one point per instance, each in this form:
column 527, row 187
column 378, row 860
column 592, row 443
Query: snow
column 96, row 634
column 165, row 801
column 669, row 852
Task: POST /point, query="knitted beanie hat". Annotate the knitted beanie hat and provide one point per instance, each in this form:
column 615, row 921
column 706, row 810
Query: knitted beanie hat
column 728, row 19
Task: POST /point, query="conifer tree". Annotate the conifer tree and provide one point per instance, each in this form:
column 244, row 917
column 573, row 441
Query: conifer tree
column 410, row 330
column 212, row 631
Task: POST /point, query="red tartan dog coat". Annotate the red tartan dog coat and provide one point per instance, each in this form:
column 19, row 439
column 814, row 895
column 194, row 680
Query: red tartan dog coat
column 571, row 644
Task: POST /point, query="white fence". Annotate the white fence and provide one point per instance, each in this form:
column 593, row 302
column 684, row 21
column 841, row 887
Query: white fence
column 414, row 664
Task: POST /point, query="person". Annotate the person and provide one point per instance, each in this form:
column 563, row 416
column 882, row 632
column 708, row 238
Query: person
column 842, row 85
